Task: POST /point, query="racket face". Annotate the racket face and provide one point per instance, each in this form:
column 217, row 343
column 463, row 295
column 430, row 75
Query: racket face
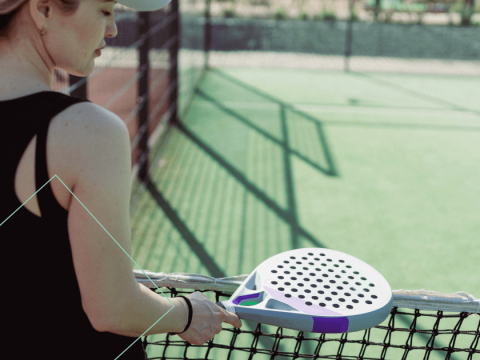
column 338, row 292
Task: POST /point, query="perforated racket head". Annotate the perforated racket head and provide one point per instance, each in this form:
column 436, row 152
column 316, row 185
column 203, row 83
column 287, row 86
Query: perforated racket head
column 314, row 289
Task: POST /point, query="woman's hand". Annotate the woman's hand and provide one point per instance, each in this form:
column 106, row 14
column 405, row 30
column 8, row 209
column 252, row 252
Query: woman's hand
column 207, row 320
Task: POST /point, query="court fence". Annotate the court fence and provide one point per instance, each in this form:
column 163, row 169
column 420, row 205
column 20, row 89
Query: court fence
column 149, row 72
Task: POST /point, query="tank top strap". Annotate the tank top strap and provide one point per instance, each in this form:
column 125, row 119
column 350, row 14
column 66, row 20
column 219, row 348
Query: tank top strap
column 57, row 102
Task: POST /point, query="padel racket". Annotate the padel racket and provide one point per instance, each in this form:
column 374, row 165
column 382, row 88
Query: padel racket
column 313, row 289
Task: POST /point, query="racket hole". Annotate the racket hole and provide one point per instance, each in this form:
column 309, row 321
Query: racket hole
column 321, row 292
column 336, row 265
column 292, row 267
column 349, row 307
column 286, row 262
column 338, row 276
column 361, row 295
column 349, row 267
column 366, row 290
column 332, row 281
column 308, row 291
column 322, row 304
column 336, row 305
column 274, row 282
column 304, row 258
column 305, row 268
column 328, row 298
column 340, row 287
column 359, row 284
column 281, row 289
column 342, row 299
column 310, row 263
column 312, row 274
column 325, row 275
column 292, row 257
column 348, row 294
column 306, row 279
column 280, row 266
column 274, row 271
column 322, row 254
column 287, row 283
column 294, row 290
column 329, row 260
column 313, row 285
column 355, row 301
column 287, row 272
column 330, row 270
column 353, row 289
column 374, row 297
column 363, row 278
column 372, row 285
column 323, row 264
column 334, row 293
column 368, row 302
column 341, row 261
column 351, row 277
column 319, row 280
column 300, row 284
column 299, row 273
column 281, row 277
column 298, row 262
column 311, row 254
column 343, row 271
column 293, row 278
column 288, row 295
column 317, row 259
column 345, row 282
column 356, row 272
column 301, row 296
column 315, row 297
column 317, row 269
column 327, row 287
column 308, row 303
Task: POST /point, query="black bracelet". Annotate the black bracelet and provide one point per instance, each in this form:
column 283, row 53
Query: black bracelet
column 190, row 313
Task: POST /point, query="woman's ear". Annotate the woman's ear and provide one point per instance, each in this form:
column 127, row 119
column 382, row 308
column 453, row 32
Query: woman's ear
column 41, row 12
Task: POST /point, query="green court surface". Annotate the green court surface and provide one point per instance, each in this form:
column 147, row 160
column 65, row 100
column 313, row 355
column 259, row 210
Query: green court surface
column 383, row 167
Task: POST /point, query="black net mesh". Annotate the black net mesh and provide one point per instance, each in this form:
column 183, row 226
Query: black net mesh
column 405, row 334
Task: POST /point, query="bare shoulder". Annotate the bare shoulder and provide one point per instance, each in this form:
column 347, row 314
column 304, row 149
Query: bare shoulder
column 88, row 114
column 85, row 131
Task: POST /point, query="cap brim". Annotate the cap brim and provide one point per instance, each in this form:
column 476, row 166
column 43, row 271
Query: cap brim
column 144, row 5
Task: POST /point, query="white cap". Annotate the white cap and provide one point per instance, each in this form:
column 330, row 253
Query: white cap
column 7, row 6
column 144, row 5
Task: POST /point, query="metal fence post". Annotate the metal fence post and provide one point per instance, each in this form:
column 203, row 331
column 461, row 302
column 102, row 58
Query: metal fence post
column 143, row 93
column 208, row 32
column 349, row 34
column 173, row 52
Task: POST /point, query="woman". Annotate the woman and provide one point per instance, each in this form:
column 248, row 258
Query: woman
column 52, row 142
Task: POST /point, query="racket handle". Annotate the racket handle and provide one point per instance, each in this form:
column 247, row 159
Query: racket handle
column 227, row 306
column 221, row 305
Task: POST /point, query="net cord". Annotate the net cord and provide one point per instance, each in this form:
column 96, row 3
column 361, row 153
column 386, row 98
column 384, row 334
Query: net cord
column 410, row 299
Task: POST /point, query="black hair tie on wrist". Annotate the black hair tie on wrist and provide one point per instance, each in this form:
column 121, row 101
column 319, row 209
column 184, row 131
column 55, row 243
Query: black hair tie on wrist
column 190, row 313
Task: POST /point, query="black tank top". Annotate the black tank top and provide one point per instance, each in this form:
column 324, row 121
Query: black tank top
column 41, row 310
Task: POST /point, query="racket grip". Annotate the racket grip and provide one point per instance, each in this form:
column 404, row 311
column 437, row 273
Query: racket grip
column 221, row 305
column 227, row 306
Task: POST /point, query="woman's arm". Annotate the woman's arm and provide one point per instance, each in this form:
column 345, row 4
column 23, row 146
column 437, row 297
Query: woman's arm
column 111, row 297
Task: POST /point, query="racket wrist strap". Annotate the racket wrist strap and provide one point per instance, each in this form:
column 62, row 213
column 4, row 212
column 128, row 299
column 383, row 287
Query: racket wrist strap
column 190, row 313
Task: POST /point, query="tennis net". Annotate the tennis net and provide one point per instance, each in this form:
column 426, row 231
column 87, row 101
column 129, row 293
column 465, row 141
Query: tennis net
column 421, row 325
